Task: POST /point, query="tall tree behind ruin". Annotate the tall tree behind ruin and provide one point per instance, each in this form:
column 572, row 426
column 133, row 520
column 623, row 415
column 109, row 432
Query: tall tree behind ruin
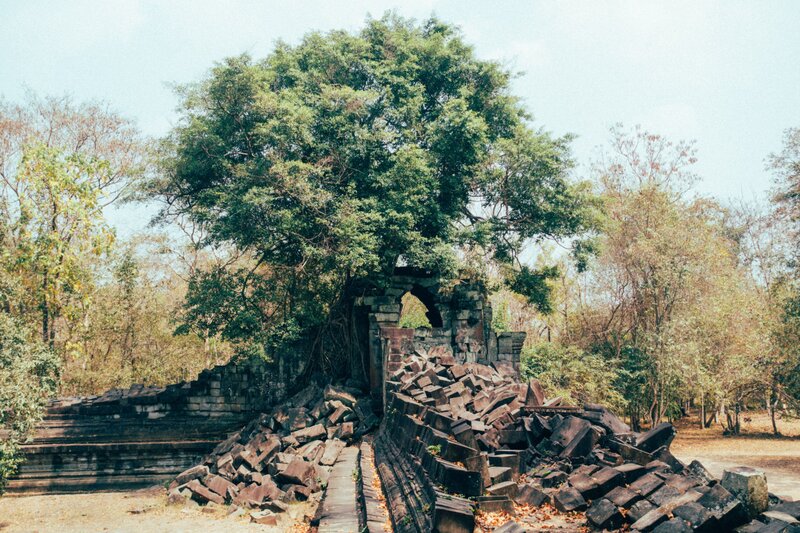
column 329, row 162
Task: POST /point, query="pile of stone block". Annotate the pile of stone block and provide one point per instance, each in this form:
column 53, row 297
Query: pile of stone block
column 282, row 456
column 477, row 432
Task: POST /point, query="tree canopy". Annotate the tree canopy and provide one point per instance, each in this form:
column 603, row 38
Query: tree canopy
column 339, row 158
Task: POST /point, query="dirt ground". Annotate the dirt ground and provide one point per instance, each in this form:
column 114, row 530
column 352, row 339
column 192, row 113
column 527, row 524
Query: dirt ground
column 778, row 457
column 129, row 512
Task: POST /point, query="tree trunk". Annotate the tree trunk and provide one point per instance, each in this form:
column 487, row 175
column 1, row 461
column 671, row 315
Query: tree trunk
column 772, row 408
column 702, row 409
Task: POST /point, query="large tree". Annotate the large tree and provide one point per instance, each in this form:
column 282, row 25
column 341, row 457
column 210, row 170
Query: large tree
column 328, row 163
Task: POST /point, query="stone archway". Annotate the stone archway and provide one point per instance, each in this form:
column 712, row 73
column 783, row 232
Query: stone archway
column 460, row 316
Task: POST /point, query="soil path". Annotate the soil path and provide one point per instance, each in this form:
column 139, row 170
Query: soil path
column 778, row 457
column 126, row 512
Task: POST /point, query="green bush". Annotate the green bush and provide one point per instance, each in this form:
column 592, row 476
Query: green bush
column 577, row 376
column 29, row 375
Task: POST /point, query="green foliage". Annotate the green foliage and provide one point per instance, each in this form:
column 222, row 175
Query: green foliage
column 533, row 285
column 331, row 161
column 130, row 325
column 501, row 316
column 413, row 313
column 435, row 449
column 577, row 376
column 29, row 374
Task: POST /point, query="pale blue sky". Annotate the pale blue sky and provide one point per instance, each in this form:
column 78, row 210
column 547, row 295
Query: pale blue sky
column 724, row 73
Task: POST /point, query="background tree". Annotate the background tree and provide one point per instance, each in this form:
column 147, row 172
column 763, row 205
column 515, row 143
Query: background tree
column 329, row 162
column 60, row 165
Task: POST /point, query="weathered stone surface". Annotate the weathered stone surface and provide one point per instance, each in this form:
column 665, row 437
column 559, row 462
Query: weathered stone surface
column 196, row 472
column 650, row 520
column 298, row 472
column 530, row 495
column 659, row 436
column 506, row 488
column 647, row 484
column 265, row 518
column 570, row 428
column 587, row 486
column 310, row 433
column 790, row 508
column 202, row 494
column 623, row 497
column 335, row 393
column 604, row 515
column 333, row 448
column 750, row 486
column 697, row 516
column 582, row 444
column 569, row 499
column 639, row 509
column 674, row 525
column 255, row 495
column 220, row 485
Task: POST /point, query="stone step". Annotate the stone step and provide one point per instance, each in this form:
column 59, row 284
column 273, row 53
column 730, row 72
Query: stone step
column 60, row 468
column 135, row 430
column 88, row 483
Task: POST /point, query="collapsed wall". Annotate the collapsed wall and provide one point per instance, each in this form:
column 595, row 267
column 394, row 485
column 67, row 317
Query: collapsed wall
column 457, row 437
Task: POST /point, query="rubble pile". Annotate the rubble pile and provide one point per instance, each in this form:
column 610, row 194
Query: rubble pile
column 482, row 438
column 282, row 456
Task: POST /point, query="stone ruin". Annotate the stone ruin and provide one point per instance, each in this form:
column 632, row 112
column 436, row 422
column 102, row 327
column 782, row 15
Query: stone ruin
column 444, row 432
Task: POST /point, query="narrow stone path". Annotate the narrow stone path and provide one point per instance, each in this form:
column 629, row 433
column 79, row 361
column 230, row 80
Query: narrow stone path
column 339, row 508
column 376, row 515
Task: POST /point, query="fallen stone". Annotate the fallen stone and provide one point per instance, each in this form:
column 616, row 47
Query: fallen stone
column 310, row 433
column 219, row 485
column 298, row 472
column 647, row 484
column 265, row 518
column 570, row 428
column 332, row 450
column 201, row 494
column 335, row 393
column 568, row 500
column 588, row 487
column 650, row 520
column 659, row 436
column 697, row 516
column 639, row 509
column 196, row 472
column 674, row 525
column 623, row 497
column 750, row 486
column 604, row 515
column 506, row 488
column 608, row 478
column 530, row 495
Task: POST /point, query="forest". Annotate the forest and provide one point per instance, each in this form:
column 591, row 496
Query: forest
column 291, row 181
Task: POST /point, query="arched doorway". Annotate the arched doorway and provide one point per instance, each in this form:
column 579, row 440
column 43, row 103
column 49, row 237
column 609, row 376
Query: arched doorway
column 418, row 309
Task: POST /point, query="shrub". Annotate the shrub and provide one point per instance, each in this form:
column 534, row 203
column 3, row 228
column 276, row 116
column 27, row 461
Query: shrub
column 577, row 376
column 29, row 375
